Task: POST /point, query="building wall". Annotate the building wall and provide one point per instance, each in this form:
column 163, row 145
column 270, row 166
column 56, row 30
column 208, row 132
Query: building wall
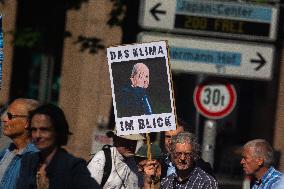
column 8, row 11
column 85, row 93
column 279, row 116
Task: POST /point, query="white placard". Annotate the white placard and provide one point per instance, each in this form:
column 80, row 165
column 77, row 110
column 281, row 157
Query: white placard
column 141, row 88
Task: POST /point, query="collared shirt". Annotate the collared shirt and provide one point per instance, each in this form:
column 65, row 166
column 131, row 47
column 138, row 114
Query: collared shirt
column 269, row 179
column 170, row 167
column 124, row 172
column 197, row 179
column 11, row 174
column 280, row 183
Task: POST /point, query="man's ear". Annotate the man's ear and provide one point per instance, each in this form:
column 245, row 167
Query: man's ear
column 27, row 124
column 260, row 162
column 132, row 81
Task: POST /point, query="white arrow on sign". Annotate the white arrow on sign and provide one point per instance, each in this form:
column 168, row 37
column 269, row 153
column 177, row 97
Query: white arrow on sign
column 218, row 57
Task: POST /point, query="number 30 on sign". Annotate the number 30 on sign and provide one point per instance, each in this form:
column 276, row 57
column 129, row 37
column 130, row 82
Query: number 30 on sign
column 215, row 100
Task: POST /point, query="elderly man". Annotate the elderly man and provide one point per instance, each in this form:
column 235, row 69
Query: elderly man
column 168, row 167
column 115, row 167
column 15, row 126
column 184, row 153
column 134, row 99
column 257, row 160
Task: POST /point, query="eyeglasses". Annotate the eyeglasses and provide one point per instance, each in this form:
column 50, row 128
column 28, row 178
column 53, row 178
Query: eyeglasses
column 12, row 116
column 186, row 154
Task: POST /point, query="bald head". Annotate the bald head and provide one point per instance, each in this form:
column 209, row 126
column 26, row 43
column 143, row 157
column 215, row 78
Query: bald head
column 26, row 104
column 140, row 76
column 16, row 120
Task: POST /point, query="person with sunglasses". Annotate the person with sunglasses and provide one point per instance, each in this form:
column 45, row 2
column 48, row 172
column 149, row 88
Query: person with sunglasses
column 185, row 152
column 15, row 126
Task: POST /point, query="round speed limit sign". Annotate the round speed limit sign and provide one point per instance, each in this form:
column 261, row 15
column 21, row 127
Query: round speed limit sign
column 215, row 101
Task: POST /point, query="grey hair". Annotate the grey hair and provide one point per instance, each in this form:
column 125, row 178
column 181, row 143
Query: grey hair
column 135, row 69
column 261, row 149
column 30, row 104
column 186, row 137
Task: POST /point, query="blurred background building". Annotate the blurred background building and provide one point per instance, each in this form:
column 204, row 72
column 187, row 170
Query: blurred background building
column 55, row 51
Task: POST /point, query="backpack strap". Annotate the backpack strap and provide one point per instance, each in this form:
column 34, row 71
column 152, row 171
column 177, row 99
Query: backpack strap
column 108, row 164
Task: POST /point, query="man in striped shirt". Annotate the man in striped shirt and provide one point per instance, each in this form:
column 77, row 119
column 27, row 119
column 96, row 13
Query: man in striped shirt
column 184, row 153
column 257, row 161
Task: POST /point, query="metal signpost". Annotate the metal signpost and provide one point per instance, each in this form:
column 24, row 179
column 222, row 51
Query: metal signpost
column 231, row 19
column 217, row 57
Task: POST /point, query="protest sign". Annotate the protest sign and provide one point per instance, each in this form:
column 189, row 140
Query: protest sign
column 141, row 88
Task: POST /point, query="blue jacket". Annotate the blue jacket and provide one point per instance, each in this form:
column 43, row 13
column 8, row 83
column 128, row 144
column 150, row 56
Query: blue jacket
column 133, row 101
column 11, row 174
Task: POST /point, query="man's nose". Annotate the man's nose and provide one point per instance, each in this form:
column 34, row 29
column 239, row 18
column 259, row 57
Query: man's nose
column 242, row 161
column 4, row 118
column 183, row 156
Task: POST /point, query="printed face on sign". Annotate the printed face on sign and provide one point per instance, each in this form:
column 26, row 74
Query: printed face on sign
column 140, row 76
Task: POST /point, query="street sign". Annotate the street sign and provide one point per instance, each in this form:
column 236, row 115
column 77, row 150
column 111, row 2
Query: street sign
column 231, row 19
column 215, row 100
column 217, row 57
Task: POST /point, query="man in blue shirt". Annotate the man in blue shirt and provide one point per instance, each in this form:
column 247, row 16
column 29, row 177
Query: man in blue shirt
column 15, row 126
column 257, row 161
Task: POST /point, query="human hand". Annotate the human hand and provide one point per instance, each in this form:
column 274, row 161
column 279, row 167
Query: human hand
column 151, row 171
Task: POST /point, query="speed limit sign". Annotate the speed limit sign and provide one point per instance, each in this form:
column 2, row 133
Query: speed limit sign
column 215, row 100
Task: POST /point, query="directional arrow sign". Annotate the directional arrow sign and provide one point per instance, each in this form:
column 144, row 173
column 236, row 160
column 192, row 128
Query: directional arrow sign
column 232, row 19
column 154, row 11
column 217, row 57
column 261, row 61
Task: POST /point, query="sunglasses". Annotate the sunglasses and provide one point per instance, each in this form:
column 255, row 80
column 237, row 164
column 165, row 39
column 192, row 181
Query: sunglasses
column 12, row 116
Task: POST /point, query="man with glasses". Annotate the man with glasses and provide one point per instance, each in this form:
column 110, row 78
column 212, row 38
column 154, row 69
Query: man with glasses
column 15, row 126
column 167, row 166
column 184, row 153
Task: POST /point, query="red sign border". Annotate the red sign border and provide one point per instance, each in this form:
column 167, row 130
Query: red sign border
column 220, row 114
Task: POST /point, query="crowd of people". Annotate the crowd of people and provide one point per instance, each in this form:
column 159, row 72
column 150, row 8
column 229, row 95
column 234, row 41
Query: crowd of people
column 36, row 159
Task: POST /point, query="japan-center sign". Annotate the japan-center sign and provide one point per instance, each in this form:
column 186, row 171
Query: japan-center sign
column 231, row 19
column 215, row 100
